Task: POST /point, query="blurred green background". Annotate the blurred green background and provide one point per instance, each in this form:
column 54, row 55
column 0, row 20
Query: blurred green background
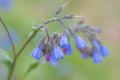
column 104, row 14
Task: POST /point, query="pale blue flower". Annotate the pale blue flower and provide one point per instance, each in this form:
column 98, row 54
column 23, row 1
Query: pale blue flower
column 64, row 41
column 104, row 51
column 96, row 57
column 67, row 50
column 80, row 43
column 58, row 53
column 65, row 44
column 37, row 53
column 53, row 60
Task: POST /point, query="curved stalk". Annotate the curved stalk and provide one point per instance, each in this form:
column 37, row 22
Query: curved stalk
column 9, row 36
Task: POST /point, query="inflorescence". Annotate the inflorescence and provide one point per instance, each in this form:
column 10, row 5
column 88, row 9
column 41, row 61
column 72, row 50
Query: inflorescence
column 54, row 47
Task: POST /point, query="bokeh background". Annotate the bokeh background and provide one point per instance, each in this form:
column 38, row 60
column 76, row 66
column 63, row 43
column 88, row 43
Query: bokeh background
column 24, row 14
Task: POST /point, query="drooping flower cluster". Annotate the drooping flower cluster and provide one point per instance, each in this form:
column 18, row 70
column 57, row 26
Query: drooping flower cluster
column 49, row 49
column 97, row 49
column 55, row 47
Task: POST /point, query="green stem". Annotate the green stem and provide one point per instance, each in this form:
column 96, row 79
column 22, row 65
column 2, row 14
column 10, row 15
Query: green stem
column 9, row 36
column 12, row 69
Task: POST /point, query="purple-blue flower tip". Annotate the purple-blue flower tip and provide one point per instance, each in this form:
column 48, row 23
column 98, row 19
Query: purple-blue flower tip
column 104, row 51
column 68, row 50
column 65, row 44
column 58, row 53
column 37, row 53
column 96, row 58
column 64, row 41
column 80, row 43
column 53, row 60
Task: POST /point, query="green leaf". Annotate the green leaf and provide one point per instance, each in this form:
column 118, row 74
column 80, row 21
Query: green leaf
column 31, row 67
column 4, row 58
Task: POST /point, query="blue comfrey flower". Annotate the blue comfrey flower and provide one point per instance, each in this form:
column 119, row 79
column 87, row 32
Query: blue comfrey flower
column 65, row 44
column 53, row 60
column 68, row 50
column 5, row 4
column 58, row 53
column 96, row 57
column 104, row 51
column 80, row 43
column 37, row 53
column 64, row 41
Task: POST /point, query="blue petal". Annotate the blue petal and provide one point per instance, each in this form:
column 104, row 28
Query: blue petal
column 64, row 41
column 53, row 60
column 58, row 53
column 37, row 53
column 104, row 51
column 80, row 43
column 69, row 50
column 96, row 58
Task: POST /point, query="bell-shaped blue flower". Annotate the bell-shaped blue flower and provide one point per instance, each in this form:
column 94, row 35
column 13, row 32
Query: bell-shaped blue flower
column 68, row 50
column 53, row 60
column 65, row 44
column 96, row 57
column 104, row 51
column 64, row 41
column 58, row 53
column 80, row 43
column 37, row 53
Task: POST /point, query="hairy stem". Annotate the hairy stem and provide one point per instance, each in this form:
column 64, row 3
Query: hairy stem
column 9, row 36
column 62, row 23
